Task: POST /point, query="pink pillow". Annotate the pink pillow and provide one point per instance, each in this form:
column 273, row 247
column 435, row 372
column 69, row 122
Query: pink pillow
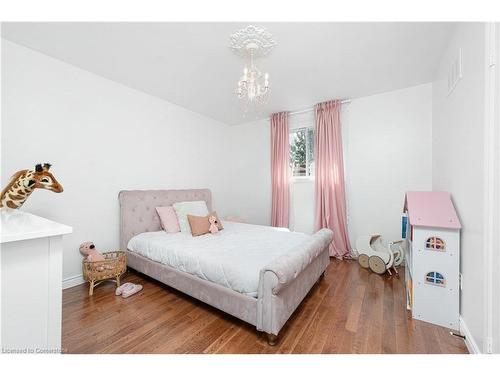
column 200, row 224
column 168, row 219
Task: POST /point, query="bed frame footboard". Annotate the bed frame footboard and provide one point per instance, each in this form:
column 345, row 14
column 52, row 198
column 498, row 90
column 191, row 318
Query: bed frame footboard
column 285, row 282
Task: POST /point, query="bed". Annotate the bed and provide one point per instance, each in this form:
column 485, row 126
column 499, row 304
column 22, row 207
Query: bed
column 258, row 274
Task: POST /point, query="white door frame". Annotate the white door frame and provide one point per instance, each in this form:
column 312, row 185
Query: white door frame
column 492, row 191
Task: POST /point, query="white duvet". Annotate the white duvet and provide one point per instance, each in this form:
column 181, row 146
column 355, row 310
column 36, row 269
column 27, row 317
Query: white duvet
column 232, row 258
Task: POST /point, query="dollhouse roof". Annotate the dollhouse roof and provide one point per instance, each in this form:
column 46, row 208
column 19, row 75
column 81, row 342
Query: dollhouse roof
column 431, row 209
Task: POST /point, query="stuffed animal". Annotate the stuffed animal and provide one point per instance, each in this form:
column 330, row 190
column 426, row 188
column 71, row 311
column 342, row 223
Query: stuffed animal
column 213, row 224
column 23, row 183
column 92, row 255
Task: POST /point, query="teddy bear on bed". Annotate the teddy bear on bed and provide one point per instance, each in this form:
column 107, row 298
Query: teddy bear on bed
column 214, row 228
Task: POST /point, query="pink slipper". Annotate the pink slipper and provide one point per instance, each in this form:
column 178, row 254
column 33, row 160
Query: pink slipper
column 129, row 292
column 122, row 288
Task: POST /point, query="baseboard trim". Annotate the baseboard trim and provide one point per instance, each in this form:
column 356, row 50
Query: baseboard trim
column 72, row 281
column 469, row 339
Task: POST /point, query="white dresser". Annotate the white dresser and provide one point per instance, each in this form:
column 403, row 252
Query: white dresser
column 31, row 282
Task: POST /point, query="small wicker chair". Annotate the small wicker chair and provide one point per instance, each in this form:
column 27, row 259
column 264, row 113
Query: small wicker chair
column 114, row 265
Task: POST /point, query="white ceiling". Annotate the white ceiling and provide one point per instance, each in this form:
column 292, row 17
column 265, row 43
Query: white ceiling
column 190, row 64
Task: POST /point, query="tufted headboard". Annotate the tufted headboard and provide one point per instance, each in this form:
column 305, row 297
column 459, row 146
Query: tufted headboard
column 138, row 213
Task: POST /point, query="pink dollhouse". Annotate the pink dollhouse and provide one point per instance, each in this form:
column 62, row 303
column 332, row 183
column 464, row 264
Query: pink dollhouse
column 432, row 232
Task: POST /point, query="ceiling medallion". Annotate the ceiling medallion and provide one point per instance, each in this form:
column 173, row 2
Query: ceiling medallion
column 252, row 37
column 250, row 43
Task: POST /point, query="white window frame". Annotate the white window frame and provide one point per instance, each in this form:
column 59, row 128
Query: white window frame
column 294, row 130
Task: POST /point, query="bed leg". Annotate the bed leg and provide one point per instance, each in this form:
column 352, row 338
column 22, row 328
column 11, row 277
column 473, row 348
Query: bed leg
column 272, row 340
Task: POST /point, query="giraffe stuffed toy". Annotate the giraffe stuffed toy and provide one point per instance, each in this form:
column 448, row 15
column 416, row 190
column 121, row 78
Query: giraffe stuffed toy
column 24, row 182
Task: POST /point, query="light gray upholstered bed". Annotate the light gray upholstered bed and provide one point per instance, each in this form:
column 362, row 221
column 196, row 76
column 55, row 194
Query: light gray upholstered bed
column 283, row 283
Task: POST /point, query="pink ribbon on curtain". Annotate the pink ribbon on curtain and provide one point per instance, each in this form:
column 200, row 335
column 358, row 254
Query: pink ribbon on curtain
column 329, row 177
column 280, row 170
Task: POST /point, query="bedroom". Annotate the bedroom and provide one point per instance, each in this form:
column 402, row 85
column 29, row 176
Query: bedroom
column 298, row 139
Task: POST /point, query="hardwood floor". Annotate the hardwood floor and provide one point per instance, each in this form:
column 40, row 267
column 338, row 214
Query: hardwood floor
column 350, row 311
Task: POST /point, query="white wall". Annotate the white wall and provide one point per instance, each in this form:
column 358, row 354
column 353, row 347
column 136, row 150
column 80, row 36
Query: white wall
column 458, row 163
column 388, row 150
column 248, row 183
column 101, row 137
column 492, row 147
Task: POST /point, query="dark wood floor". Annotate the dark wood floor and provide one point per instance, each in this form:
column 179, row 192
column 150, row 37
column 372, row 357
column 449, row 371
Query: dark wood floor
column 350, row 311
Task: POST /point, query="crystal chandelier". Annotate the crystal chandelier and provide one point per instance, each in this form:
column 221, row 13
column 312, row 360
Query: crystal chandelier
column 250, row 43
column 253, row 86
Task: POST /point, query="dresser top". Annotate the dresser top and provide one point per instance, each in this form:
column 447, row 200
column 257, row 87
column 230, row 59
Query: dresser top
column 17, row 225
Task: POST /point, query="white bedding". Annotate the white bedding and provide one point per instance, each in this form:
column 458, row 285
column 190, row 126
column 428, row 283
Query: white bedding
column 232, row 258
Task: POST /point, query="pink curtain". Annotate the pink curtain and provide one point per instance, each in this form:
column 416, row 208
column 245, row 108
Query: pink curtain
column 329, row 177
column 280, row 170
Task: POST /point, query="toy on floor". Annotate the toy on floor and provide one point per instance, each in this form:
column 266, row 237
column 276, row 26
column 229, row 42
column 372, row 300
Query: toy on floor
column 213, row 224
column 128, row 289
column 379, row 258
column 99, row 267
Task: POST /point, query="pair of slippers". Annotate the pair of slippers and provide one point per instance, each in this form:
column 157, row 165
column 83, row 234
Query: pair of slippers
column 128, row 289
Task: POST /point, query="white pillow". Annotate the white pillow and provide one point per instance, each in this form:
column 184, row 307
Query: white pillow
column 182, row 209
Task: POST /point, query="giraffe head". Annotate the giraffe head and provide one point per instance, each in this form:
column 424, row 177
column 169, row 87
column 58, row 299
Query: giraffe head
column 43, row 179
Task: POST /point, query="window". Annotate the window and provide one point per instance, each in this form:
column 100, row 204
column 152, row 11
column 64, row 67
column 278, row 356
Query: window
column 435, row 278
column 435, row 243
column 302, row 152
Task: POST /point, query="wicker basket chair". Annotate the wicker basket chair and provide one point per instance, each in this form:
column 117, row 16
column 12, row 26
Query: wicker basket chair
column 111, row 268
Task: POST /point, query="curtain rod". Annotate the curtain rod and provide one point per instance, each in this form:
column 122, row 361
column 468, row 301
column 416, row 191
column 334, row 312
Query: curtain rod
column 343, row 101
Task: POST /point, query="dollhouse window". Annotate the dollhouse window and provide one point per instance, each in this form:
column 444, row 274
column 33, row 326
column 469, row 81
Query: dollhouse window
column 435, row 243
column 435, row 278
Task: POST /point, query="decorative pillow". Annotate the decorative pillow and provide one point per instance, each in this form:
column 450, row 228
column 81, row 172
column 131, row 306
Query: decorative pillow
column 200, row 224
column 168, row 219
column 182, row 209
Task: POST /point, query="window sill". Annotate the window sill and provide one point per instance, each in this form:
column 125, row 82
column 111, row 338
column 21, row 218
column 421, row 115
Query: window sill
column 302, row 179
